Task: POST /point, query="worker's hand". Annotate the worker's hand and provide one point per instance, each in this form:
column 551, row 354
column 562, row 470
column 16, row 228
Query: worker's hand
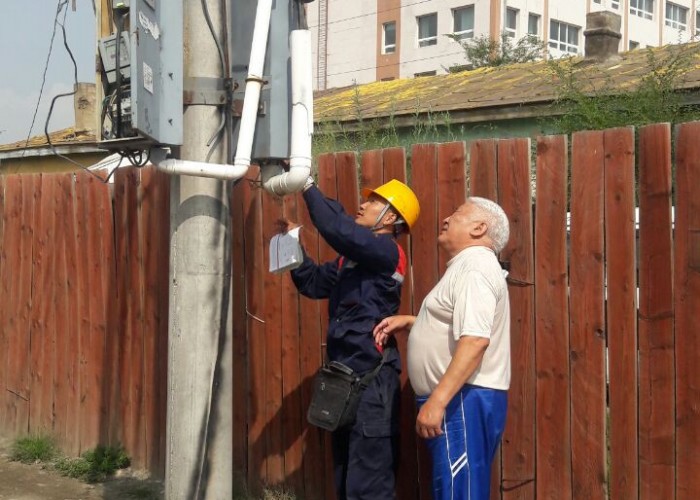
column 429, row 420
column 389, row 326
column 285, row 225
column 309, row 182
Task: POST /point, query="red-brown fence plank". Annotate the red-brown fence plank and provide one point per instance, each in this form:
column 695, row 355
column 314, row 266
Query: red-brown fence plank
column 272, row 211
column 91, row 339
column 687, row 303
column 483, row 175
column 292, row 411
column 327, row 181
column 656, row 358
column 121, row 398
column 154, row 191
column 451, row 184
column 394, row 163
column 60, row 319
column 43, row 311
column 255, row 273
column 4, row 307
column 69, row 348
column 483, row 182
column 514, row 195
column 100, row 373
column 346, row 172
column 372, row 172
column 587, row 317
column 621, row 311
column 311, row 346
column 87, row 423
column 163, row 291
column 17, row 250
column 136, row 305
column 553, row 424
column 314, row 319
column 424, row 253
column 130, row 345
column 239, row 447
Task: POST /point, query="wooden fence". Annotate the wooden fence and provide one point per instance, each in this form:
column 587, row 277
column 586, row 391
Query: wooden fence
column 605, row 395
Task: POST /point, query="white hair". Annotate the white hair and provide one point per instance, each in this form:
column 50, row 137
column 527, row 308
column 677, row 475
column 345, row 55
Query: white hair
column 498, row 229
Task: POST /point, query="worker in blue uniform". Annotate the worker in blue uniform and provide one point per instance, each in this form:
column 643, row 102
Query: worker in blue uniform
column 363, row 285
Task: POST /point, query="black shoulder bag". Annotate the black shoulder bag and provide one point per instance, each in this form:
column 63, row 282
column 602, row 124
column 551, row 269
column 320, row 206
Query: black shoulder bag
column 337, row 393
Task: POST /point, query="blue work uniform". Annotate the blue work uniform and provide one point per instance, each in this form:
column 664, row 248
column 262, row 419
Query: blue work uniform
column 363, row 286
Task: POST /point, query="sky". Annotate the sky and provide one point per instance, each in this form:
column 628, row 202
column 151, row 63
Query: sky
column 25, row 35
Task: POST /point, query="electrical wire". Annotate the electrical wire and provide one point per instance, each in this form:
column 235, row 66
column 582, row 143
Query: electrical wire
column 216, row 137
column 66, row 94
column 59, row 8
column 207, row 18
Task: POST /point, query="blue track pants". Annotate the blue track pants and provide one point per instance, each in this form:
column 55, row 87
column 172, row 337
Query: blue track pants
column 472, row 429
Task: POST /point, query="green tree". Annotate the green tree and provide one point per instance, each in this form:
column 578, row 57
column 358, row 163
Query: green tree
column 484, row 51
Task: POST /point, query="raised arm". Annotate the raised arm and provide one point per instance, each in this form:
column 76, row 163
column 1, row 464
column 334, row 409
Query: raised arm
column 313, row 280
column 357, row 243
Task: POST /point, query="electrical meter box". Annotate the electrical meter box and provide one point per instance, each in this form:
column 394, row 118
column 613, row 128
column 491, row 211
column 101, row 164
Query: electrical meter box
column 272, row 131
column 142, row 102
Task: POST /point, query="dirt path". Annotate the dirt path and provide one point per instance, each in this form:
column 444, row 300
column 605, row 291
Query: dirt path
column 30, row 482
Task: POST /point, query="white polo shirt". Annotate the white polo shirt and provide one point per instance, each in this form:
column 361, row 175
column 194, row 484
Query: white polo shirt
column 470, row 299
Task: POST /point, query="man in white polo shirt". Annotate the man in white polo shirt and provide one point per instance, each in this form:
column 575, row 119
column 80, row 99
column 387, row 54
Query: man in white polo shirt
column 459, row 352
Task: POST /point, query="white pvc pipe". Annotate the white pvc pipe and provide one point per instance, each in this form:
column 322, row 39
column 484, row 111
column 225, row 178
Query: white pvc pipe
column 276, row 180
column 158, row 157
column 254, row 81
column 202, row 169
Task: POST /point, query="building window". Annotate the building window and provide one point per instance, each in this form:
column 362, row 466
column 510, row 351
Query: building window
column 425, row 73
column 676, row 16
column 463, row 22
column 533, row 24
column 633, row 45
column 596, row 1
column 563, row 36
column 697, row 23
column 642, row 8
column 389, row 38
column 511, row 22
column 615, row 4
column 427, row 30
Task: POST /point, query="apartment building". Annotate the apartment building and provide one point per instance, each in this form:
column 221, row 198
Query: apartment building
column 368, row 40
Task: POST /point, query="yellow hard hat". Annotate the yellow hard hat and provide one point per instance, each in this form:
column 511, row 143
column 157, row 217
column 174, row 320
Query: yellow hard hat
column 400, row 197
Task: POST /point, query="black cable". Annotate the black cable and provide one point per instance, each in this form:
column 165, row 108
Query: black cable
column 207, row 18
column 66, row 94
column 59, row 8
column 216, row 137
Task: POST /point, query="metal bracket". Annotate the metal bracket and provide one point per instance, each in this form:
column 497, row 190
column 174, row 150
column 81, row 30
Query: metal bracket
column 206, row 91
column 239, row 94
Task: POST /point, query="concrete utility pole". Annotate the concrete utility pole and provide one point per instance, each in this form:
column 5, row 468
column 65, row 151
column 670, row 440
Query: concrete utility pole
column 199, row 425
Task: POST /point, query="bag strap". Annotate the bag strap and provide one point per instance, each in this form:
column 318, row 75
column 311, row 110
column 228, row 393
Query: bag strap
column 367, row 378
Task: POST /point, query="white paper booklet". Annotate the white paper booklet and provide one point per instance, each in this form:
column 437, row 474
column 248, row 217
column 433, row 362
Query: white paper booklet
column 285, row 251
